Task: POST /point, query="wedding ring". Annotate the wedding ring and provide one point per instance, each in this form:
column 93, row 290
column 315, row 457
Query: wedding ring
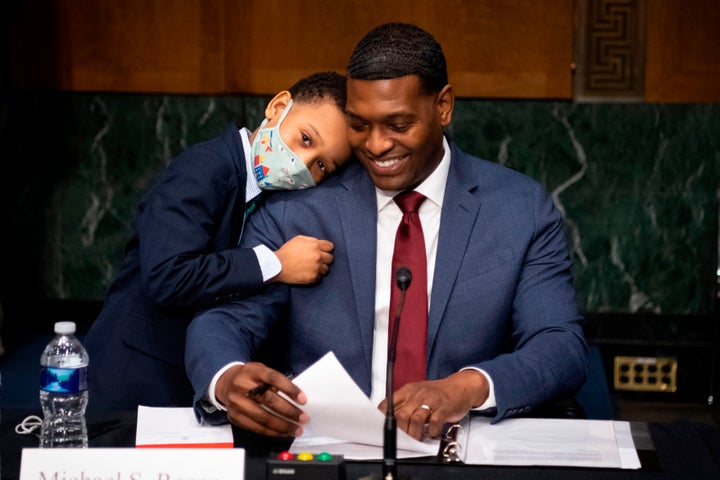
column 426, row 407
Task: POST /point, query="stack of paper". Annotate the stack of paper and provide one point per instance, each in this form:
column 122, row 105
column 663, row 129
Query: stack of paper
column 344, row 421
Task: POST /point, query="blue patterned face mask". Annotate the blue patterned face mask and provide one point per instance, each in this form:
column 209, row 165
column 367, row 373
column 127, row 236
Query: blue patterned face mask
column 276, row 167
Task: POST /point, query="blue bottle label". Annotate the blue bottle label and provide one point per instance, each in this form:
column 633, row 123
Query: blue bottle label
column 63, row 380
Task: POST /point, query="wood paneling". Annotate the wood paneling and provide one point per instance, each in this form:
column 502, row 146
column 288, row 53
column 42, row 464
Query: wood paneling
column 116, row 45
column 495, row 48
column 683, row 53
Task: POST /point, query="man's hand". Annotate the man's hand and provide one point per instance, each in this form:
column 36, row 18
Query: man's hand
column 261, row 413
column 304, row 260
column 437, row 402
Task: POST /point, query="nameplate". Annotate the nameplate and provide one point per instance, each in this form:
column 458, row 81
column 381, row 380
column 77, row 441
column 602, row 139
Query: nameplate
column 132, row 464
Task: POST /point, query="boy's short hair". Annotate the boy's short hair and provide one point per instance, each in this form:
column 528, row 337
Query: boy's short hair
column 322, row 85
column 395, row 50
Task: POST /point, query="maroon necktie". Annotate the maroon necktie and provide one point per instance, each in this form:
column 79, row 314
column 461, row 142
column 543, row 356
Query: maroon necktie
column 410, row 360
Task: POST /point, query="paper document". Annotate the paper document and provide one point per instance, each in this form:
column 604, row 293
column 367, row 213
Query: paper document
column 343, row 419
column 178, row 428
column 547, row 441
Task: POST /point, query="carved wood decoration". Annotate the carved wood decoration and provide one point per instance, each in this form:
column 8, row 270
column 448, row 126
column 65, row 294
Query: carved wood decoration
column 610, row 50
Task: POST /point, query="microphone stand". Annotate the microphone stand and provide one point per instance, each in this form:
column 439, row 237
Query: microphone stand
column 389, row 472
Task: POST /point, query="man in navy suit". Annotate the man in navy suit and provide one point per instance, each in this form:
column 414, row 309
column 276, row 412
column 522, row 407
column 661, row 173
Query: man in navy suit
column 504, row 333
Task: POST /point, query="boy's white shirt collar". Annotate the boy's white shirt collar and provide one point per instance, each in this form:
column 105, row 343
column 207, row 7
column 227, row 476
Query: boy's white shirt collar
column 251, row 187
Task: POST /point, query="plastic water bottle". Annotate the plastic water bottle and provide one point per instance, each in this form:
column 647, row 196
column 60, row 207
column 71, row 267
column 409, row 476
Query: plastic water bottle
column 63, row 390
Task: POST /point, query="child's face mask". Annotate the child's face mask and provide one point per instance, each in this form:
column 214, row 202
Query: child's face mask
column 276, row 167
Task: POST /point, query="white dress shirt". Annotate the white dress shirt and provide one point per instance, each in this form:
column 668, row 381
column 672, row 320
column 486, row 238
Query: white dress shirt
column 389, row 217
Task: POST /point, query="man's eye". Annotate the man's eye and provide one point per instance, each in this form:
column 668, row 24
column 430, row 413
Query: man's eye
column 399, row 127
column 358, row 127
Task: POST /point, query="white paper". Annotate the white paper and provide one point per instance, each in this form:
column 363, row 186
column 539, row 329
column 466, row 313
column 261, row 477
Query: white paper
column 343, row 419
column 178, row 427
column 543, row 441
column 626, row 446
column 132, row 463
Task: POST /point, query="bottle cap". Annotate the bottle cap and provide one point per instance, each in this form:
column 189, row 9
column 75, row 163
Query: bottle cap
column 64, row 328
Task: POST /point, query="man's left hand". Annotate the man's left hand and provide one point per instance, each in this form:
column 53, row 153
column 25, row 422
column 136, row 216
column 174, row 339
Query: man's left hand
column 422, row 408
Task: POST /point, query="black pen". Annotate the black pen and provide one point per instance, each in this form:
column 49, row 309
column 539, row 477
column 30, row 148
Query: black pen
column 262, row 388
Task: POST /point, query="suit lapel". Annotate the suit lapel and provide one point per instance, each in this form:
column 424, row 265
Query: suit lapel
column 357, row 207
column 459, row 211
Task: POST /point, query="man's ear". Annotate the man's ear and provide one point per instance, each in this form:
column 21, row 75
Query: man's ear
column 445, row 104
column 276, row 106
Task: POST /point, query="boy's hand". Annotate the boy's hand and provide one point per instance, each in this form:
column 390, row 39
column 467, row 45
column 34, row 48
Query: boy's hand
column 304, row 260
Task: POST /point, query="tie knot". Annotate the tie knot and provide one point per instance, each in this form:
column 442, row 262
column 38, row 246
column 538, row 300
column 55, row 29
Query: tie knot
column 409, row 201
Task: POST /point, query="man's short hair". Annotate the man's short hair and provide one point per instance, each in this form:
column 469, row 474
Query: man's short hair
column 321, row 85
column 395, row 50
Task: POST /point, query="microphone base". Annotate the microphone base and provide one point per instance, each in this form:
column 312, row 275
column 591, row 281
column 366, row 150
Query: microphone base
column 293, row 469
column 378, row 476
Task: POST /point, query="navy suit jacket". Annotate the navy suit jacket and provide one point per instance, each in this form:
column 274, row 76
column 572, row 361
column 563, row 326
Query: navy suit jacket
column 502, row 297
column 182, row 256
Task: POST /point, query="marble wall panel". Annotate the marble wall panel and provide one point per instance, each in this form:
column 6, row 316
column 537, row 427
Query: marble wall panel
column 637, row 184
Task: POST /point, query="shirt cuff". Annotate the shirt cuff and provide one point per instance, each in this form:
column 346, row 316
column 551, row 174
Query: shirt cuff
column 270, row 265
column 490, row 402
column 212, row 399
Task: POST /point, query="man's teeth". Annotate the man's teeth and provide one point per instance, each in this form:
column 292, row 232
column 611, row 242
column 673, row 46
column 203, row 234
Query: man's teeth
column 387, row 163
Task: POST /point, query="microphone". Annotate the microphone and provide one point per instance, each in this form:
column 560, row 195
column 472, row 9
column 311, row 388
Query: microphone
column 403, row 277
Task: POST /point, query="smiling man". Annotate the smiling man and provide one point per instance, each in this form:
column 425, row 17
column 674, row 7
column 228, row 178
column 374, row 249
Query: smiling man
column 497, row 329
